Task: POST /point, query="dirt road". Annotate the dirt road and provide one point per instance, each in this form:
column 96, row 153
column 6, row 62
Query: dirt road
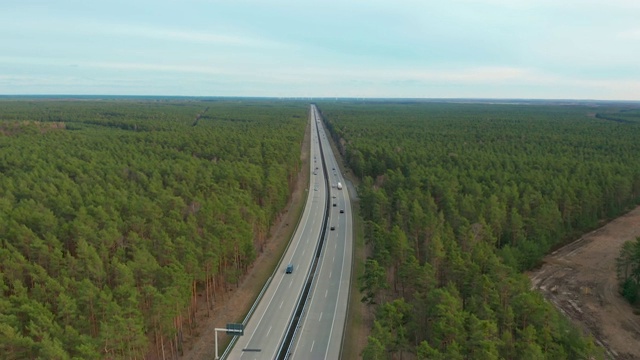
column 580, row 280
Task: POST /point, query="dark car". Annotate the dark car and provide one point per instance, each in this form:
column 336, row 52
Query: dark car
column 341, row 211
column 334, row 204
column 333, row 228
column 289, row 269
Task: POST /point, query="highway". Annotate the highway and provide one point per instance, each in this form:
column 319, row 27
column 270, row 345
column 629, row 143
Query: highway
column 320, row 336
column 266, row 328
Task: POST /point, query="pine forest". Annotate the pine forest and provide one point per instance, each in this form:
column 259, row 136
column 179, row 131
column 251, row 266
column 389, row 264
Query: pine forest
column 459, row 199
column 115, row 213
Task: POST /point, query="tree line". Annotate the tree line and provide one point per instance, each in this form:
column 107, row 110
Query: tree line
column 628, row 271
column 458, row 200
column 116, row 214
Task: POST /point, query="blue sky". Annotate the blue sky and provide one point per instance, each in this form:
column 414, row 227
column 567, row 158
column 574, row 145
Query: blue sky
column 551, row 49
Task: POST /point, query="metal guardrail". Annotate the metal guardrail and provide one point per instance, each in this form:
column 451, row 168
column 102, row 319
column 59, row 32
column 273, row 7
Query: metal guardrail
column 248, row 316
column 304, row 306
column 301, row 304
column 353, row 190
column 266, row 285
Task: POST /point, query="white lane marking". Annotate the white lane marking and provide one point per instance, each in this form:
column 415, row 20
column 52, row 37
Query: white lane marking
column 325, row 292
column 281, row 304
column 334, row 259
column 337, row 302
column 269, row 332
column 331, row 273
column 313, row 298
column 305, row 217
column 320, row 319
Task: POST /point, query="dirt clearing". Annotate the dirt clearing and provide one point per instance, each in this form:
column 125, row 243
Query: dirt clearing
column 580, row 280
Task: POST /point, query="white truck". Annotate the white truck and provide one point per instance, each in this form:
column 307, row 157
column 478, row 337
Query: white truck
column 339, row 186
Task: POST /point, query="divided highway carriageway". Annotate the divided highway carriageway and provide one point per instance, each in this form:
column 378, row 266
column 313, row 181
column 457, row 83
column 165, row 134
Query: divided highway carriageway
column 302, row 311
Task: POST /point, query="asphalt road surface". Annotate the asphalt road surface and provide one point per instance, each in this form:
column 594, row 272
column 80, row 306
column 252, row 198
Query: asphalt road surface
column 320, row 336
column 265, row 330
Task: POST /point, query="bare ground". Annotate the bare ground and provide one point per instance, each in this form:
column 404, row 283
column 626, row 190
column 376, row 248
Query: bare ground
column 359, row 319
column 580, row 280
column 232, row 306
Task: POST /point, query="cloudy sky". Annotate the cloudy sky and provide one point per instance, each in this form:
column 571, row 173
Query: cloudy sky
column 551, row 49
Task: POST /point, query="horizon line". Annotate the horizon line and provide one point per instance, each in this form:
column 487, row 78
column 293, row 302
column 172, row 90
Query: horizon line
column 315, row 97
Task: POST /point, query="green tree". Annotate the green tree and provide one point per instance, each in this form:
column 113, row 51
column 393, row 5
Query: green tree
column 482, row 339
column 628, row 270
column 374, row 350
column 372, row 281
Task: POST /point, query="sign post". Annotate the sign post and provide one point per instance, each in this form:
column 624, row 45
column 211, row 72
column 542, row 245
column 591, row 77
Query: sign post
column 231, row 329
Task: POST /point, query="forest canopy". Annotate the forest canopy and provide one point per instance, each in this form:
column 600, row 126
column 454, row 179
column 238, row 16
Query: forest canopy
column 115, row 213
column 459, row 199
column 628, row 271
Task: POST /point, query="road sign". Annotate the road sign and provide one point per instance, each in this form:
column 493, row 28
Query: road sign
column 235, row 329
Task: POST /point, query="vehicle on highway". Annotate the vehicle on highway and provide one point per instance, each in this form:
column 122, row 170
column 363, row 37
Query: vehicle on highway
column 339, row 186
column 334, row 204
column 333, row 228
column 341, row 211
column 289, row 269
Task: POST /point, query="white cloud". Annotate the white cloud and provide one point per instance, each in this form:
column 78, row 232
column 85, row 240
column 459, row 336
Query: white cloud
column 202, row 37
column 461, row 75
column 178, row 68
column 63, row 28
column 631, row 34
column 543, row 47
column 323, row 80
column 555, row 3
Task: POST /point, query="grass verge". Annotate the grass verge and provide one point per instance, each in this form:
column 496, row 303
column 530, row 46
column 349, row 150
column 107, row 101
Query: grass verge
column 355, row 338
